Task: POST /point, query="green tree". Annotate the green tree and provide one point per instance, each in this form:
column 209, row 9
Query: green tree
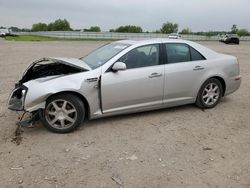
column 169, row 28
column 210, row 33
column 234, row 29
column 26, row 30
column 58, row 25
column 39, row 27
column 50, row 27
column 93, row 29
column 129, row 29
column 61, row 25
column 14, row 29
column 156, row 31
column 243, row 32
column 186, row 31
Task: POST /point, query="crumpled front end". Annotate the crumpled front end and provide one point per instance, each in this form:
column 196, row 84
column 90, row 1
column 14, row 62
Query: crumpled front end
column 45, row 68
column 47, row 77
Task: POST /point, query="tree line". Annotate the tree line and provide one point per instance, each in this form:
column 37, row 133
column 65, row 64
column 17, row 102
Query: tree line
column 166, row 28
column 58, row 25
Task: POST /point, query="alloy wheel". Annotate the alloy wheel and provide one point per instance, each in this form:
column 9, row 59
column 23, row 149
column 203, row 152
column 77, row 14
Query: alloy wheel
column 61, row 114
column 211, row 94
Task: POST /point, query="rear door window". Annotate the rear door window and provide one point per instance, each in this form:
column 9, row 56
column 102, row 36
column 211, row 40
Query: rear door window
column 177, row 53
column 195, row 55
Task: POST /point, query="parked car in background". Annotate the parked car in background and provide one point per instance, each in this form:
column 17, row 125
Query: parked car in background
column 221, row 38
column 5, row 32
column 174, row 36
column 124, row 77
column 231, row 38
column 2, row 32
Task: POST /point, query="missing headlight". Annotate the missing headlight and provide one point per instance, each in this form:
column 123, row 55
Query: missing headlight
column 17, row 98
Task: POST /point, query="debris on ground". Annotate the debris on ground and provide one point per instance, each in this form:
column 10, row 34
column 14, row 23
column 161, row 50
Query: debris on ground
column 117, row 179
column 31, row 125
column 17, row 139
column 16, row 168
column 156, row 125
column 85, row 157
column 66, row 150
column 3, row 115
column 132, row 158
column 206, row 148
column 51, row 179
column 87, row 144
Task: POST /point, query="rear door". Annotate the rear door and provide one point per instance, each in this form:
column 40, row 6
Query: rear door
column 139, row 86
column 183, row 71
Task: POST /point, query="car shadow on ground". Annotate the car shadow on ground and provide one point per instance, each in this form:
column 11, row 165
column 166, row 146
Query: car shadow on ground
column 119, row 118
column 38, row 127
column 152, row 113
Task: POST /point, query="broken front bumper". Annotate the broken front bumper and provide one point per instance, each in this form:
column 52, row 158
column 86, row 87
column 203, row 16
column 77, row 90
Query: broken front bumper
column 17, row 98
column 16, row 103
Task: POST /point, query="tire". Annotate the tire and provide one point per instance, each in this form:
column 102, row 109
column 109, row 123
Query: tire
column 63, row 113
column 209, row 94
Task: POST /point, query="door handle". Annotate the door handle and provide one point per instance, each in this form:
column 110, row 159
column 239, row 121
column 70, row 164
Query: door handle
column 155, row 74
column 196, row 68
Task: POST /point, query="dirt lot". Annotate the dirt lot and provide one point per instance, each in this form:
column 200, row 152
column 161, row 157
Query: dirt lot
column 177, row 147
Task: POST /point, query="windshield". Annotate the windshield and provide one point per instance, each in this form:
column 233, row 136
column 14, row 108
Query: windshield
column 103, row 54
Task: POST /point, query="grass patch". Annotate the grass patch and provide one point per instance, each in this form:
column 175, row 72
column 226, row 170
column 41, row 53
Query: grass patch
column 42, row 38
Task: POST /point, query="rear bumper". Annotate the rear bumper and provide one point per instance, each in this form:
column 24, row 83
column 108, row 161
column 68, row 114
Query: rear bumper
column 233, row 84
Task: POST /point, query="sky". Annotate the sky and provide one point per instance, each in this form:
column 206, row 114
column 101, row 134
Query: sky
column 198, row 15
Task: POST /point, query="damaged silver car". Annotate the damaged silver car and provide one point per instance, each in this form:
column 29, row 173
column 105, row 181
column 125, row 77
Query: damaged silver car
column 123, row 77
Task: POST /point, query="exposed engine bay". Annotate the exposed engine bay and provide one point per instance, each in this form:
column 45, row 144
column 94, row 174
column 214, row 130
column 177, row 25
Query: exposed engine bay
column 48, row 67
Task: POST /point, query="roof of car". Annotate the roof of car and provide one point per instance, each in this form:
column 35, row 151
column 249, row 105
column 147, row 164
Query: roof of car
column 150, row 41
column 208, row 53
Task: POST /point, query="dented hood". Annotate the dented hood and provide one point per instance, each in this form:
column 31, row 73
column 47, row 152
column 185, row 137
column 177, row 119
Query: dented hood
column 70, row 61
column 51, row 66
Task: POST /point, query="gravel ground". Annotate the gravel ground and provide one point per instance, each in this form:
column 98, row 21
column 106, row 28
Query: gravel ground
column 176, row 147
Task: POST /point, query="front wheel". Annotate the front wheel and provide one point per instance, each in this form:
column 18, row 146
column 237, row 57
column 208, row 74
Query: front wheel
column 63, row 113
column 210, row 94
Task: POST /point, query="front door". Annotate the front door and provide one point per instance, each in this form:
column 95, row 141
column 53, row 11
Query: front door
column 139, row 86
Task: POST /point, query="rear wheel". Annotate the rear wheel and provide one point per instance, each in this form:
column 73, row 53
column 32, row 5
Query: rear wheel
column 63, row 113
column 210, row 94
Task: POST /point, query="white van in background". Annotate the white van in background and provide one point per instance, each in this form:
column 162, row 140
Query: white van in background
column 4, row 32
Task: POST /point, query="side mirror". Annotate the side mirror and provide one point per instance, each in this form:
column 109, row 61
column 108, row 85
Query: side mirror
column 118, row 66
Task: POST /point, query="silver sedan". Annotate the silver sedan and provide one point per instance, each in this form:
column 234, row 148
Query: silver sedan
column 123, row 77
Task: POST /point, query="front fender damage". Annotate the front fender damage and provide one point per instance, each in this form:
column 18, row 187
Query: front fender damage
column 31, row 91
